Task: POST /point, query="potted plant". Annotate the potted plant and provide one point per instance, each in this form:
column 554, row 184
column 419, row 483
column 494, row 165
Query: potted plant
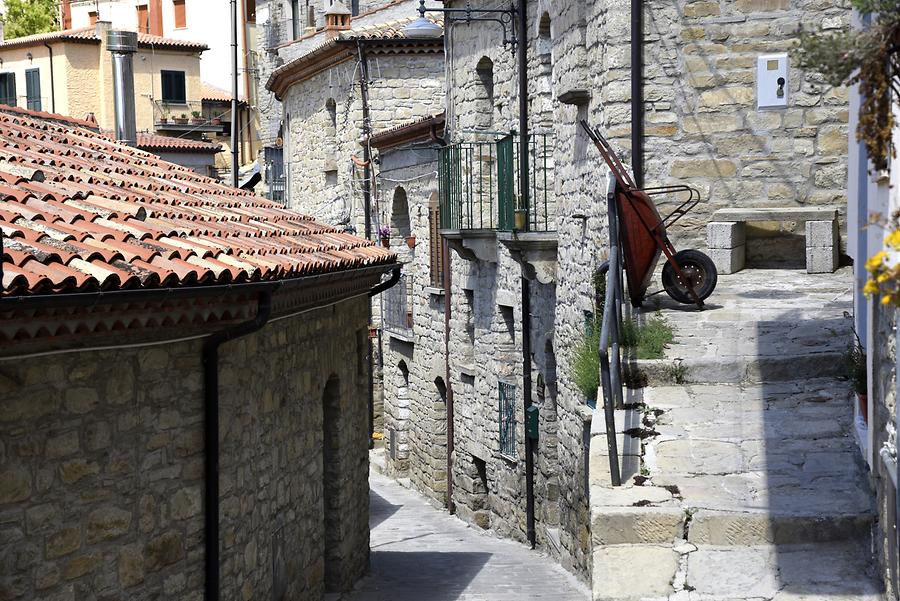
column 164, row 118
column 411, row 241
column 217, row 120
column 196, row 119
column 182, row 119
column 384, row 233
column 856, row 373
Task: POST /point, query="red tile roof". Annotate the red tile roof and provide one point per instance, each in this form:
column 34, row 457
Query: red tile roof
column 82, row 212
column 172, row 144
column 89, row 35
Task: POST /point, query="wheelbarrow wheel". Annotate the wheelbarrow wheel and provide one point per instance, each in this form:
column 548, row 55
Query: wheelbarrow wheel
column 698, row 270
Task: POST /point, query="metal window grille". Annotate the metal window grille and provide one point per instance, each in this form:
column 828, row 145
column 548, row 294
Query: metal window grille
column 480, row 187
column 397, row 314
column 508, row 419
column 274, row 159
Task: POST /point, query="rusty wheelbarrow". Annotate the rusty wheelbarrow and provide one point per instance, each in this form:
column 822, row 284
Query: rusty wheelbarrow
column 689, row 276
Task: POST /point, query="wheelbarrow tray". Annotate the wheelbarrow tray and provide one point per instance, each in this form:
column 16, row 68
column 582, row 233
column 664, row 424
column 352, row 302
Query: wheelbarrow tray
column 639, row 220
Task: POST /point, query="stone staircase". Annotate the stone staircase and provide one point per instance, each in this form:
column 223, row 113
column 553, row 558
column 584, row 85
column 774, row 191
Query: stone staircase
column 743, row 480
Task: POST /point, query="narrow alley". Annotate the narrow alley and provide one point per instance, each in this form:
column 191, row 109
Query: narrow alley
column 421, row 553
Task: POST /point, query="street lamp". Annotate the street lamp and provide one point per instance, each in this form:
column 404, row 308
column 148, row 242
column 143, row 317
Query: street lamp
column 424, row 28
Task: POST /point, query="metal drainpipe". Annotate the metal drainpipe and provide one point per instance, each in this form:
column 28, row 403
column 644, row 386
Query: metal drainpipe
column 522, row 52
column 367, row 208
column 235, row 166
column 448, row 281
column 211, row 435
column 52, row 82
column 637, row 91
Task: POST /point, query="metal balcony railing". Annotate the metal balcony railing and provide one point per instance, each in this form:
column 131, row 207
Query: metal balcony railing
column 168, row 115
column 480, row 185
column 398, row 315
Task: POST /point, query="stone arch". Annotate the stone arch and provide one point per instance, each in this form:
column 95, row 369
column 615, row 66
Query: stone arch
column 331, row 479
column 400, row 222
column 484, row 95
column 545, row 37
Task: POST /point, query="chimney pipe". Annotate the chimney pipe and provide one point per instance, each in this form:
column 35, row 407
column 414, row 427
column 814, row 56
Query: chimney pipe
column 122, row 45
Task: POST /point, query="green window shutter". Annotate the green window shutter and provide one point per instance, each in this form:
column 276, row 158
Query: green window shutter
column 33, row 89
column 173, row 87
column 506, row 190
column 8, row 89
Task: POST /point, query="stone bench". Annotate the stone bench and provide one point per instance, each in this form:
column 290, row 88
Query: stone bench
column 726, row 236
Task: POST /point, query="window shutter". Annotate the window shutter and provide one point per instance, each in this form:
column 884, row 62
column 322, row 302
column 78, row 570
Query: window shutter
column 436, row 246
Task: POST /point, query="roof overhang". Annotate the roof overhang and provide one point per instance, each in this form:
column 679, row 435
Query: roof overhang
column 337, row 51
column 427, row 128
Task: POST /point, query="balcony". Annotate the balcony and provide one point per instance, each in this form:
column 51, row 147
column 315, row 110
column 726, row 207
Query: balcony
column 481, row 202
column 190, row 116
column 480, row 187
column 396, row 310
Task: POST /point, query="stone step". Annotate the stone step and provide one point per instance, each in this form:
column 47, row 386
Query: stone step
column 734, row 369
column 690, row 572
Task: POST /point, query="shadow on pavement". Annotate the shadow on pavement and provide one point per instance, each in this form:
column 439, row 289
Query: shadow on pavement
column 380, row 509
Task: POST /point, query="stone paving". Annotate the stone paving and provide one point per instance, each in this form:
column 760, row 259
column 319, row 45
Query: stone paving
column 750, row 483
column 420, row 553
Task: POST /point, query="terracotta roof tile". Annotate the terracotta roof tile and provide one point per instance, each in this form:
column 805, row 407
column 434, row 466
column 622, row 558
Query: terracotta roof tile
column 154, row 142
column 94, row 214
column 90, row 35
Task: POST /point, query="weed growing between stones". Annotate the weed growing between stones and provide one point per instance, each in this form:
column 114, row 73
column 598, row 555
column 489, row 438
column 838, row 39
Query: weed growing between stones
column 647, row 340
column 677, row 372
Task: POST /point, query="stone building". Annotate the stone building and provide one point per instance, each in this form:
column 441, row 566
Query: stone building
column 183, row 377
column 516, row 301
column 290, row 29
column 701, row 126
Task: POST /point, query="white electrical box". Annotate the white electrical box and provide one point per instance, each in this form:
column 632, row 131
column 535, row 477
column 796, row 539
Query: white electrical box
column 772, row 81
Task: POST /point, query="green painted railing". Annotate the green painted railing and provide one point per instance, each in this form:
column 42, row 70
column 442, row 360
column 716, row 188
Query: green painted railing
column 480, row 185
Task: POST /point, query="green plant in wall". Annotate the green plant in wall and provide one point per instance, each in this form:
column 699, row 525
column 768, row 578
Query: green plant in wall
column 867, row 57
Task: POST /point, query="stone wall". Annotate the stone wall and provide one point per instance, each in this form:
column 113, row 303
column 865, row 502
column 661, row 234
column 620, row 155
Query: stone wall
column 324, row 181
column 883, row 396
column 276, row 48
column 101, row 466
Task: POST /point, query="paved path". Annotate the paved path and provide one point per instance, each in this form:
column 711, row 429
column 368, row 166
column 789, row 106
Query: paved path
column 752, row 486
column 420, row 553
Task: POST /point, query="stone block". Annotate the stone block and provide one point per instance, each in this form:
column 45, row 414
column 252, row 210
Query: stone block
column 633, row 571
column 637, row 525
column 821, row 259
column 821, row 234
column 725, row 234
column 728, row 260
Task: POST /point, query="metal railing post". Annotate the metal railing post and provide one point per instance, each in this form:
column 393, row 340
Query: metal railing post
column 610, row 373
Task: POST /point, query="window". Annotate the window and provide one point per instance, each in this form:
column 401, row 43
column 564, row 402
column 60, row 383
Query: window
column 92, row 16
column 331, row 109
column 508, row 419
column 250, row 10
column 181, row 14
column 143, row 19
column 8, row 89
column 173, row 91
column 33, row 89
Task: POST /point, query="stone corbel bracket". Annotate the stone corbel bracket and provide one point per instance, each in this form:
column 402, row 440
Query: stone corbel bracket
column 473, row 245
column 535, row 251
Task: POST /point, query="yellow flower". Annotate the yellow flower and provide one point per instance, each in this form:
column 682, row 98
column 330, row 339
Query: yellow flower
column 893, row 240
column 876, row 261
column 886, row 299
column 870, row 288
column 882, row 278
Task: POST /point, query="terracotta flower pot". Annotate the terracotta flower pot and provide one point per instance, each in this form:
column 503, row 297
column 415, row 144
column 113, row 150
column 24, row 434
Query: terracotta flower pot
column 411, row 241
column 386, row 242
column 863, row 400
